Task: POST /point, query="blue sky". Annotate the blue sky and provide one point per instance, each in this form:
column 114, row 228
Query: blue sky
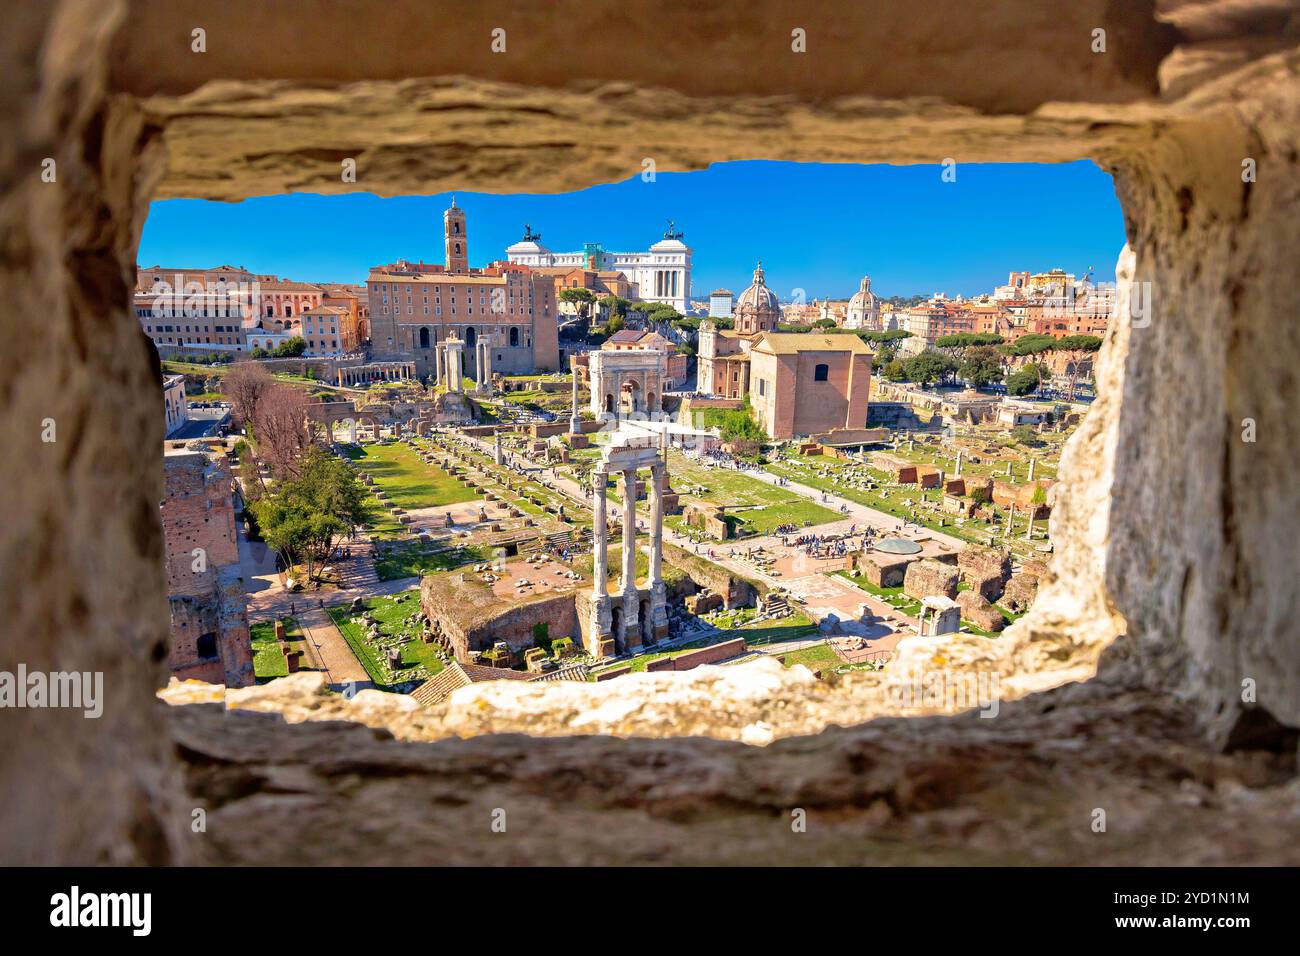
column 817, row 227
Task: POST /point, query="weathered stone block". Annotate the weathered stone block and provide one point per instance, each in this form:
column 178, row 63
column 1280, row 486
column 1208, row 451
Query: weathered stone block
column 986, row 570
column 929, row 577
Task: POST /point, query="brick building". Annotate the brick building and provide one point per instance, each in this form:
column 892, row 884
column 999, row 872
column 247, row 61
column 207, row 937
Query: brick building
column 416, row 306
column 807, row 383
column 205, row 585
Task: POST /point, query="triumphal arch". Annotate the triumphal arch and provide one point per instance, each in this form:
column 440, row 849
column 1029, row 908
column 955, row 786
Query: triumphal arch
column 627, row 382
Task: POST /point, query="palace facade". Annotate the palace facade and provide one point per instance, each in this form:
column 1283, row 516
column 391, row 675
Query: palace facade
column 416, row 306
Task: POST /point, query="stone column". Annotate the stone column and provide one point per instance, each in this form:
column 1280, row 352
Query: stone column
column 600, row 642
column 454, row 365
column 1032, row 463
column 658, row 590
column 438, row 352
column 497, row 438
column 599, row 533
column 486, row 364
column 957, row 471
column 575, row 420
column 657, row 475
column 631, row 603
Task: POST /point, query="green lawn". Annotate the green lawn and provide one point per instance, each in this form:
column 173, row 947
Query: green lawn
column 268, row 658
column 420, row 661
column 408, row 481
column 797, row 627
column 895, row 596
column 414, row 558
column 756, row 506
column 819, row 655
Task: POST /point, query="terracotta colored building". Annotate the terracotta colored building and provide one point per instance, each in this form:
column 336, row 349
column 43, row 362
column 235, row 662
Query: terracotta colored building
column 797, row 383
column 806, row 383
column 415, row 306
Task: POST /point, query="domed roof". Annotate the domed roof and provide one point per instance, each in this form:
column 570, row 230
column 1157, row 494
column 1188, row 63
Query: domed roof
column 864, row 297
column 758, row 297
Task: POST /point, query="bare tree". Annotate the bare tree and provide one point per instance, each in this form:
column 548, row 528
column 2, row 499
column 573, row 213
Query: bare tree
column 281, row 429
column 244, row 385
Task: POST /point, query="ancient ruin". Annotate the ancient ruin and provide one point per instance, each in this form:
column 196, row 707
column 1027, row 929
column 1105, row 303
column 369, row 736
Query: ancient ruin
column 1159, row 653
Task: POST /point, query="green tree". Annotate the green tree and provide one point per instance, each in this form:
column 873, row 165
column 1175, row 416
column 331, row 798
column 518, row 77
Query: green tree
column 956, row 345
column 929, row 367
column 1026, row 345
column 981, row 365
column 1076, row 348
column 1025, row 435
column 582, row 299
column 895, row 371
column 304, row 518
column 1025, row 380
column 290, row 347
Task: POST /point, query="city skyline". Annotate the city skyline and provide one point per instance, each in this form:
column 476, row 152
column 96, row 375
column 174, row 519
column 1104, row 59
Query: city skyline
column 912, row 232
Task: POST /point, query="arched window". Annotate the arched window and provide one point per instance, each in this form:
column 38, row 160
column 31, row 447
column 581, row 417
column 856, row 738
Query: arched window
column 514, row 337
column 424, row 338
column 820, row 372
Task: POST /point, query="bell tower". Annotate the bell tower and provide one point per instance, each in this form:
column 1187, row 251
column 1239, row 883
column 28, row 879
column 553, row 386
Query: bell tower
column 455, row 241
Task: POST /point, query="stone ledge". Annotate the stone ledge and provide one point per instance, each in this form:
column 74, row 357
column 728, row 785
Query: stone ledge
column 1020, row 789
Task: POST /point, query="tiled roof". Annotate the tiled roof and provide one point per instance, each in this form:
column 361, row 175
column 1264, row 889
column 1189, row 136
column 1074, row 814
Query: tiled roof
column 457, row 675
column 789, row 343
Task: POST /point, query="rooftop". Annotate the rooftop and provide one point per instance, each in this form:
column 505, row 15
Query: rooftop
column 789, row 343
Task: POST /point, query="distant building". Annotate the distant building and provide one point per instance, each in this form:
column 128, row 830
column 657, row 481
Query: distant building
column 416, row 306
column 720, row 303
column 205, row 586
column 177, row 407
column 723, row 358
column 661, row 274
column 864, row 309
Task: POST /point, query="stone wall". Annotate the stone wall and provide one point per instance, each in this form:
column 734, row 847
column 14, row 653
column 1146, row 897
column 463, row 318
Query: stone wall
column 1176, row 546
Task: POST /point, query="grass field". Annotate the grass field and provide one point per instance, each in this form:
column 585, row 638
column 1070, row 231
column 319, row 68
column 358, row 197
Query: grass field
column 895, row 596
column 814, row 658
column 268, row 658
column 408, row 482
column 420, row 661
column 758, row 506
column 414, row 558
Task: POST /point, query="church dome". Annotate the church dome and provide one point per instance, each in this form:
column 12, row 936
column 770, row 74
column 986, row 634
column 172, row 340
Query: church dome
column 758, row 299
column 864, row 298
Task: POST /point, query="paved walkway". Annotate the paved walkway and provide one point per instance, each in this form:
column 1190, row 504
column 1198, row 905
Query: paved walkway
column 328, row 649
